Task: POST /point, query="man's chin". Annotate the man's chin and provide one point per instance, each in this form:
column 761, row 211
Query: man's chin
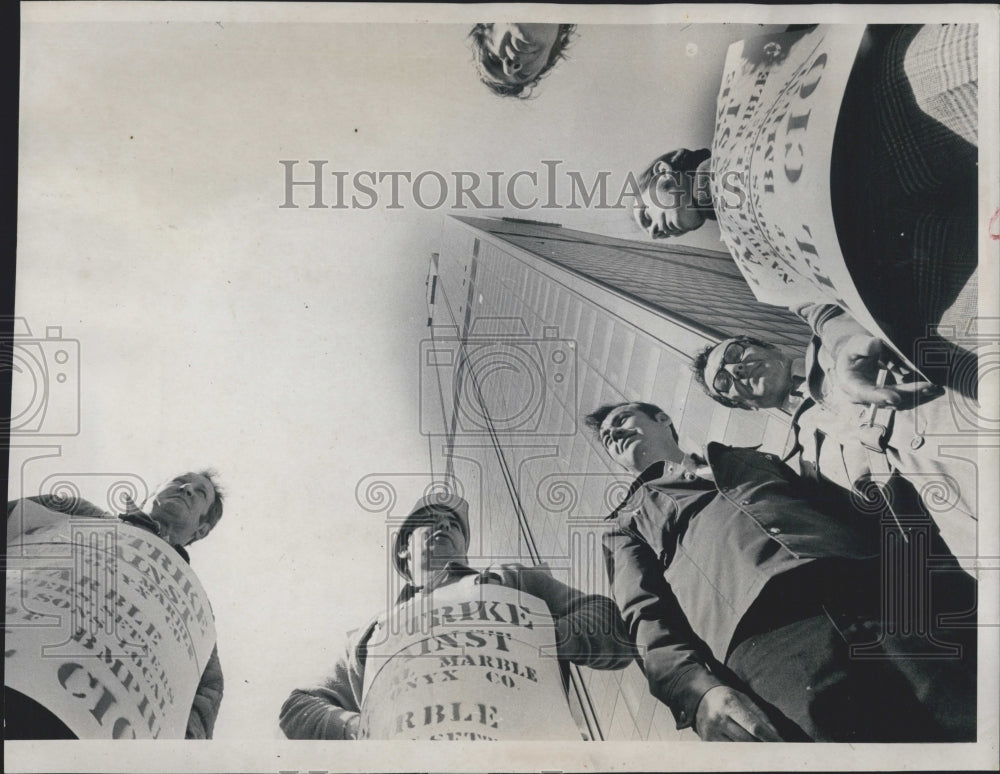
column 441, row 558
column 632, row 462
column 770, row 399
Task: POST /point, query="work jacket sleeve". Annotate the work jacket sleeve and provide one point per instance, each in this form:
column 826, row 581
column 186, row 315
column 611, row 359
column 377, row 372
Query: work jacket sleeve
column 674, row 660
column 332, row 709
column 58, row 510
column 831, row 323
column 589, row 628
column 207, row 699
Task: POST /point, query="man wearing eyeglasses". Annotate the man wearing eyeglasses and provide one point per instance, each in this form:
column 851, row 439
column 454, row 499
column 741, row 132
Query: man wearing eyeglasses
column 746, row 592
column 856, row 416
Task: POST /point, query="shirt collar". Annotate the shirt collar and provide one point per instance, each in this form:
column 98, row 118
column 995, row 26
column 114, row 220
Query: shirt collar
column 451, row 572
column 140, row 519
column 799, row 388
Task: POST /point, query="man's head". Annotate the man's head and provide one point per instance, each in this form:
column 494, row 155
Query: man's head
column 667, row 205
column 436, row 532
column 187, row 507
column 744, row 372
column 512, row 58
column 635, row 435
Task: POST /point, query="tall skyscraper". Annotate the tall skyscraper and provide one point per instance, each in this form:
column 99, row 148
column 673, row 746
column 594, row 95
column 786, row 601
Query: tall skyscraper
column 530, row 327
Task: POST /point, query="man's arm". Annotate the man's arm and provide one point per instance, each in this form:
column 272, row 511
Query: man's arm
column 331, row 710
column 832, row 323
column 589, row 628
column 205, row 708
column 675, row 667
column 857, row 356
column 40, row 511
column 673, row 659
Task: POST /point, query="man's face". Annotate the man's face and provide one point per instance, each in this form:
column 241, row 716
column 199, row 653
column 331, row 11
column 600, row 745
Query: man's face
column 666, row 207
column 436, row 541
column 635, row 440
column 519, row 52
column 751, row 375
column 180, row 506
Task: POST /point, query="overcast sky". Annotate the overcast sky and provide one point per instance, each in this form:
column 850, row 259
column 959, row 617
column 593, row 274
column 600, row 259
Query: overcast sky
column 280, row 345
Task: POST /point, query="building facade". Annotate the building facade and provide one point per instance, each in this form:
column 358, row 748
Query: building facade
column 530, row 327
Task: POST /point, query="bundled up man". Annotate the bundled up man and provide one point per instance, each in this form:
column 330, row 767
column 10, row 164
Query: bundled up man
column 445, row 594
column 180, row 511
column 755, row 603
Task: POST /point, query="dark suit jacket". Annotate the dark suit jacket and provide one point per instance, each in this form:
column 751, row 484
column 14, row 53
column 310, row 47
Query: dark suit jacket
column 687, row 558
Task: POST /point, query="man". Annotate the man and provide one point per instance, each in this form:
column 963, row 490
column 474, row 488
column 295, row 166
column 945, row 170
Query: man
column 181, row 511
column 903, row 186
column 512, row 58
column 745, row 594
column 675, row 195
column 848, row 424
column 430, row 553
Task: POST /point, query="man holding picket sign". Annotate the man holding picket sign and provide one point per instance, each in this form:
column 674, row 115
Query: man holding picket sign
column 463, row 654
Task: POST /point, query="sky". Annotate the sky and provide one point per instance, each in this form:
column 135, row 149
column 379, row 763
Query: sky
column 280, row 345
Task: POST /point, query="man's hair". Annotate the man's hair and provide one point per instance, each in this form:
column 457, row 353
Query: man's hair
column 215, row 509
column 424, row 517
column 595, row 418
column 495, row 80
column 700, row 361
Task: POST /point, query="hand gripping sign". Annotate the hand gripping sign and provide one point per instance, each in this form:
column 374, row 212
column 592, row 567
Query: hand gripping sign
column 467, row 662
column 107, row 626
column 776, row 117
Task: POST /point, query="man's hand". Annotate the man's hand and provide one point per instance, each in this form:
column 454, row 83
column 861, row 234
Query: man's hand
column 726, row 715
column 857, row 375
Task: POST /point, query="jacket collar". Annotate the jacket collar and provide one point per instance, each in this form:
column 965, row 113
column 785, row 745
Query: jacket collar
column 141, row 520
column 664, row 473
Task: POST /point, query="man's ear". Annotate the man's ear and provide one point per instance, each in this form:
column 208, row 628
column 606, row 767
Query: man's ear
column 661, row 416
column 203, row 529
column 404, row 556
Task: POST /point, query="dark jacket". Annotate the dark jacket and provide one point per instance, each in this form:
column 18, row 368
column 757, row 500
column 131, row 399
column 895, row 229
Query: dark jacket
column 687, row 558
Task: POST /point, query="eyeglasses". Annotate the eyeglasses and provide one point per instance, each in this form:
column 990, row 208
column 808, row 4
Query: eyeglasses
column 723, row 381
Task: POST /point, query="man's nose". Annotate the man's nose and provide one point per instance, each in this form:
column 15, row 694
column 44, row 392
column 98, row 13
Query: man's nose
column 658, row 226
column 510, row 65
column 738, row 370
column 618, row 432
